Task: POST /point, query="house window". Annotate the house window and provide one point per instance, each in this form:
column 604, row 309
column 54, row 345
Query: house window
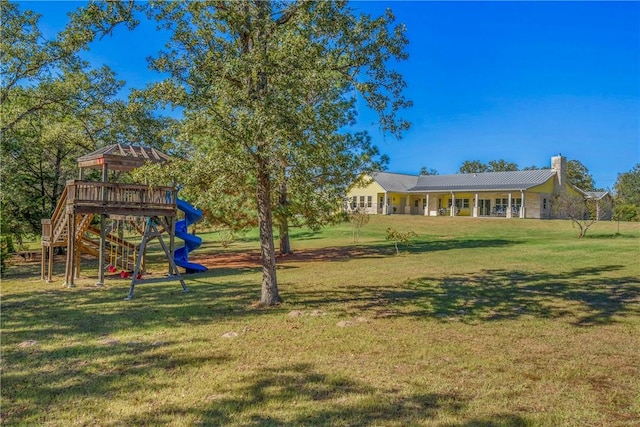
column 544, row 204
column 362, row 201
column 369, row 201
column 462, row 203
column 415, row 203
column 354, row 202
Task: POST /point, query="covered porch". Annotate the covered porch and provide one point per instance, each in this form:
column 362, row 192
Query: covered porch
column 508, row 204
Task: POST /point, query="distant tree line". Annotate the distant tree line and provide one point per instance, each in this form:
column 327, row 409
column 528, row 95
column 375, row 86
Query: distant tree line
column 627, row 195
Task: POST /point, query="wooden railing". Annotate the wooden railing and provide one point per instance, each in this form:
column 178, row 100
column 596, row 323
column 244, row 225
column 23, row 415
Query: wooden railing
column 118, row 198
column 52, row 228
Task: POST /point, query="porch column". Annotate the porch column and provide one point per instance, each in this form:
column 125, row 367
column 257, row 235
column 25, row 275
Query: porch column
column 522, row 213
column 426, row 207
column 385, row 206
column 475, row 206
column 509, row 208
column 407, row 206
column 452, row 211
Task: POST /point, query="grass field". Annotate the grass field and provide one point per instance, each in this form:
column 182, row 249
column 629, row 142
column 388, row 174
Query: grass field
column 480, row 322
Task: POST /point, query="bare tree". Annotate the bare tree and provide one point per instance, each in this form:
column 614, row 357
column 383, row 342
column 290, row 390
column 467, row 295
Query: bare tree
column 358, row 219
column 583, row 212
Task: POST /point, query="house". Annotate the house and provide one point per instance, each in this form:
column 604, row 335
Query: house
column 517, row 194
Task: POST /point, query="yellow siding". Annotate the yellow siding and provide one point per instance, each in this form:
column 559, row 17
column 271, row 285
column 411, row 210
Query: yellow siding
column 370, row 190
column 572, row 191
column 547, row 187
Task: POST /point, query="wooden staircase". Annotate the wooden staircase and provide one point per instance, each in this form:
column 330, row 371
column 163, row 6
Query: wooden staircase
column 55, row 233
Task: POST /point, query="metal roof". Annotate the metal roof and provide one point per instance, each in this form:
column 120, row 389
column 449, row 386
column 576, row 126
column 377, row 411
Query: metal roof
column 595, row 194
column 499, row 181
column 395, row 181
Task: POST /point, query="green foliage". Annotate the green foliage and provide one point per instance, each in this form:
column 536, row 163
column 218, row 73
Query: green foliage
column 476, row 166
column 269, row 91
column 6, row 248
column 473, row 166
column 626, row 212
column 428, row 171
column 502, row 166
column 579, row 176
column 55, row 108
column 398, row 237
column 627, row 186
column 227, row 237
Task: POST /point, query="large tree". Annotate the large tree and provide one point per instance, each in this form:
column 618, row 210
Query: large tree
column 502, row 166
column 269, row 91
column 579, row 176
column 473, row 166
column 627, row 189
column 55, row 107
column 627, row 186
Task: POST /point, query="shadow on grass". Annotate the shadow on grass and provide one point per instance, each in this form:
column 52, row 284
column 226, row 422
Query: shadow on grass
column 36, row 315
column 96, row 369
column 583, row 296
column 57, row 344
column 299, row 395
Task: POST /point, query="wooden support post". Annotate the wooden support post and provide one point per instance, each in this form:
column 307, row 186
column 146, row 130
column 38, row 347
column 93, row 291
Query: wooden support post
column 43, row 261
column 150, row 232
column 71, row 253
column 101, row 249
column 103, row 228
column 77, row 260
column 171, row 223
column 50, row 262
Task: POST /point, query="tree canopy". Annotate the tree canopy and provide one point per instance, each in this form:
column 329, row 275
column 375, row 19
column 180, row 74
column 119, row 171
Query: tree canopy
column 269, row 92
column 579, row 176
column 627, row 186
column 476, row 166
column 55, row 107
column 627, row 189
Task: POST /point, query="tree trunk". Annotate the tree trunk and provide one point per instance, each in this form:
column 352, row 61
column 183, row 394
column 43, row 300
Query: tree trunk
column 270, row 295
column 283, row 222
column 283, row 231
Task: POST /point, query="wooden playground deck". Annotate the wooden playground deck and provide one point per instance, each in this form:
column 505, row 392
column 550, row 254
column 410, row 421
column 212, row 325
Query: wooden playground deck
column 81, row 201
column 120, row 199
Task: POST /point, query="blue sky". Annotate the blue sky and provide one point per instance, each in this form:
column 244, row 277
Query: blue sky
column 519, row 81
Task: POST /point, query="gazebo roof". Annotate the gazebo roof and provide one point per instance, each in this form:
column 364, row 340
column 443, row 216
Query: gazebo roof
column 121, row 157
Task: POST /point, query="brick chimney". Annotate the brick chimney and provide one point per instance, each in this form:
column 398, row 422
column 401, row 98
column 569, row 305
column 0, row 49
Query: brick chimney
column 559, row 164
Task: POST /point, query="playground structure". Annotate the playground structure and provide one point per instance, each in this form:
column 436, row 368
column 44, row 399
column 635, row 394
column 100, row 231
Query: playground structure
column 130, row 215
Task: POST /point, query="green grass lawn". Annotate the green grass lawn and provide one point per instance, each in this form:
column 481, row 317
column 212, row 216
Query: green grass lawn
column 481, row 322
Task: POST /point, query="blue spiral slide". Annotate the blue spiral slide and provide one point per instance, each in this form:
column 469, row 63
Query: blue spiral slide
column 191, row 242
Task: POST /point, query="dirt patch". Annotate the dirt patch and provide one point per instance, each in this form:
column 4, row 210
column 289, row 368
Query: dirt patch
column 253, row 260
